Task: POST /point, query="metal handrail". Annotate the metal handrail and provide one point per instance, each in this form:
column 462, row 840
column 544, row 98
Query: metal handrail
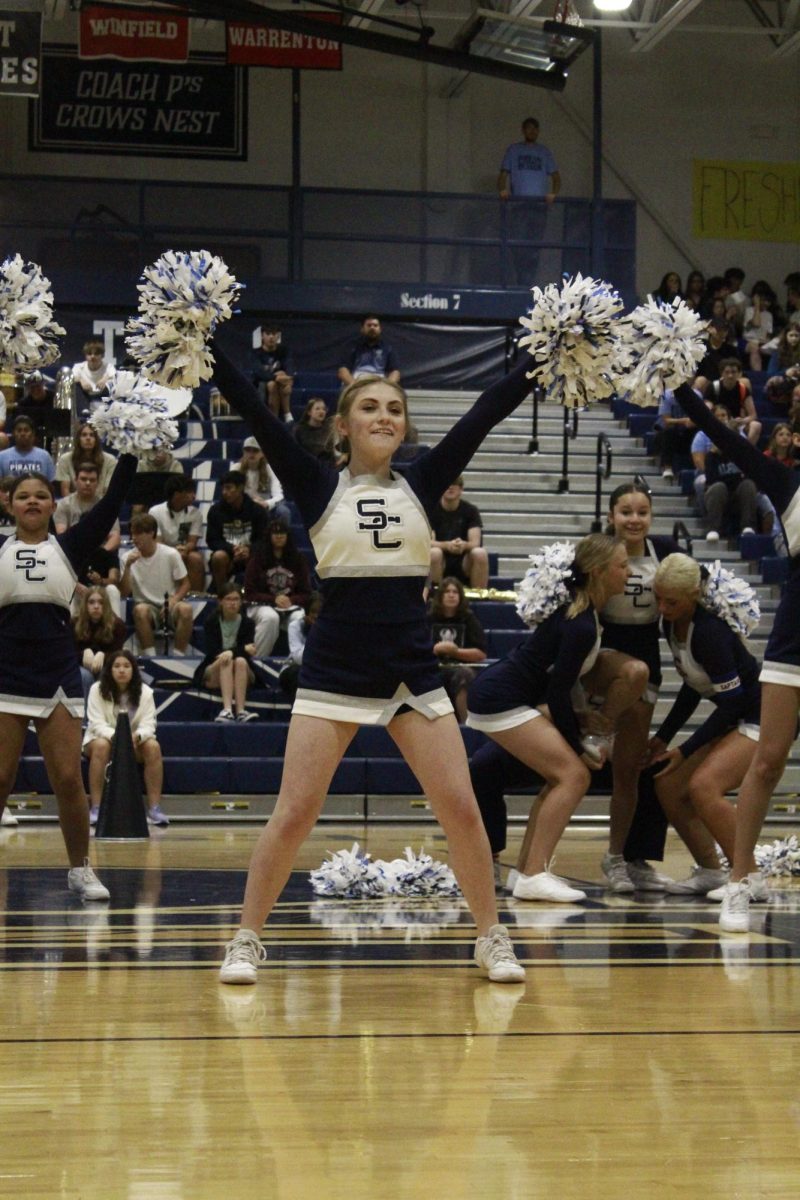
column 642, row 484
column 601, row 472
column 679, row 531
column 570, row 432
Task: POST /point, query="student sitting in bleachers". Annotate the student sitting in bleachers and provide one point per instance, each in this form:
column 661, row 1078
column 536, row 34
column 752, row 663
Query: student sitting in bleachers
column 85, row 448
column 314, row 431
column 180, row 525
column 98, row 631
column 785, row 360
column 230, row 644
column 233, row 526
column 458, row 639
column 262, row 484
column 277, row 581
column 297, row 634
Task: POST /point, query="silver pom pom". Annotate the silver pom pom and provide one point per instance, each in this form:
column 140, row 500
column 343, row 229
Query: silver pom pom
column 182, row 300
column 660, row 346
column 27, row 328
column 351, row 875
column 545, row 586
column 730, row 598
column 572, row 339
column 781, row 857
column 136, row 417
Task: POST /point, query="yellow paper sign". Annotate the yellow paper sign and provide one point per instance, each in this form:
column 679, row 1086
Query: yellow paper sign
column 746, row 201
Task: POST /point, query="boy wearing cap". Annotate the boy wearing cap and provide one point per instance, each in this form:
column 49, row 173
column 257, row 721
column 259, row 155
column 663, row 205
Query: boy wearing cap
column 24, row 455
column 235, row 523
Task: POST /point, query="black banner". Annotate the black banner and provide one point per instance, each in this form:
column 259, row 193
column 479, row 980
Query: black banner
column 192, row 110
column 20, row 52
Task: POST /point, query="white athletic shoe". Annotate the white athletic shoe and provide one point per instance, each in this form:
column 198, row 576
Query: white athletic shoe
column 645, row 878
column 511, row 879
column 759, row 892
column 495, row 957
column 735, row 914
column 84, row 881
column 8, row 820
column 242, row 958
column 545, row 886
column 615, row 870
column 701, row 881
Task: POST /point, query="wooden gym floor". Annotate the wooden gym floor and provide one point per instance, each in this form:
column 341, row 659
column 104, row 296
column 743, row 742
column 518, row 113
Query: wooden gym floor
column 646, row 1056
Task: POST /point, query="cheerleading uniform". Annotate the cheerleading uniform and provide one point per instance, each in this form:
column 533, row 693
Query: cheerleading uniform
column 782, row 656
column 369, row 653
column 630, row 621
column 715, row 665
column 543, row 669
column 38, row 661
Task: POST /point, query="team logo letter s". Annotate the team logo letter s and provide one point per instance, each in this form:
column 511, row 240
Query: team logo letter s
column 374, row 519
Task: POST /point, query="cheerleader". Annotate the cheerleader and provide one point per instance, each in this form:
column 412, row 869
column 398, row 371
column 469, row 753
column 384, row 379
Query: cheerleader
column 39, row 675
column 780, row 673
column 369, row 659
column 695, row 777
column 538, row 680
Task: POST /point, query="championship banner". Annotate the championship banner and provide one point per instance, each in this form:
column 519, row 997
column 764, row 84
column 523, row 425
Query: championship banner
column 20, row 49
column 746, row 201
column 196, row 110
column 133, row 34
column 261, row 46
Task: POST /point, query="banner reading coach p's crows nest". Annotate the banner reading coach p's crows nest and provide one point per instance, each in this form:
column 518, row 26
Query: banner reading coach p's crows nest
column 196, row 109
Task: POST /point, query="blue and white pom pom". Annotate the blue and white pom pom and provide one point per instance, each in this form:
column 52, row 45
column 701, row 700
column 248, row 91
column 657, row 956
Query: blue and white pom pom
column 781, row 857
column 729, row 597
column 419, row 875
column 183, row 297
column 136, row 417
column 351, row 875
column 660, row 346
column 572, row 338
column 546, row 584
column 27, row 330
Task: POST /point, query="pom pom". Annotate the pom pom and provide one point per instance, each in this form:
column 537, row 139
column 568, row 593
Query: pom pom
column 572, row 338
column 418, row 919
column 27, row 328
column 730, row 598
column 182, row 299
column 546, row 585
column 660, row 346
column 351, row 875
column 782, row 857
column 135, row 418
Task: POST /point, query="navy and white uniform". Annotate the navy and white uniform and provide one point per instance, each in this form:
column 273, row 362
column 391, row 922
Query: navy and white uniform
column 630, row 621
column 715, row 665
column 369, row 653
column 782, row 656
column 38, row 660
column 542, row 669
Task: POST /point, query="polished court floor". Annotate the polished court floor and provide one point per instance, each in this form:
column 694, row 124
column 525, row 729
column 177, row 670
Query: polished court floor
column 646, row 1055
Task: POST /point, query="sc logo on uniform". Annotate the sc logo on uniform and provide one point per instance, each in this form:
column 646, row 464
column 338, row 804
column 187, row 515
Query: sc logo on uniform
column 374, row 519
column 27, row 560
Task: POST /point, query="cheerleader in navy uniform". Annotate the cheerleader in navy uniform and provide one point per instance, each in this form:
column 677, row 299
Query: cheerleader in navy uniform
column 714, row 663
column 780, row 672
column 368, row 658
column 39, row 675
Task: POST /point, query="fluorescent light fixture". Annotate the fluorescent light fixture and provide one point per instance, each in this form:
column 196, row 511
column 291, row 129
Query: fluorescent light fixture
column 612, row 5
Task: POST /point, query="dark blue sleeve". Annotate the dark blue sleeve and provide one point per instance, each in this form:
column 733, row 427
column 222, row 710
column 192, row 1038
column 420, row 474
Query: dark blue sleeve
column 577, row 637
column 308, row 480
column 434, row 471
column 664, row 546
column 684, row 705
column 717, row 649
column 770, row 476
column 95, row 525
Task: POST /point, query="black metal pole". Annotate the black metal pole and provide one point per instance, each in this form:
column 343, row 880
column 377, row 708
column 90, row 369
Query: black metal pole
column 295, row 215
column 533, row 444
column 563, row 483
column 598, row 231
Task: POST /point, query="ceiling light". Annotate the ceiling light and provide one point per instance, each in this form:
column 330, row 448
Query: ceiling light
column 612, row 5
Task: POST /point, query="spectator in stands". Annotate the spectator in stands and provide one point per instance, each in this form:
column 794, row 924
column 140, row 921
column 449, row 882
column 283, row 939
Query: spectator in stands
column 695, row 289
column 85, row 448
column 781, row 445
column 234, row 525
column 457, row 532
column 715, row 287
column 785, row 360
column 758, row 322
column 736, row 300
column 370, row 355
column 458, row 639
column 719, row 314
column 674, row 433
column 669, row 289
column 230, row 645
column 729, row 494
column 24, row 455
column 71, row 508
column 273, row 372
column 97, row 632
column 120, row 688
column 315, row 432
column 297, row 636
column 735, row 392
column 37, row 403
column 528, row 172
column 155, row 467
column 155, row 577
column 277, row 581
column 792, row 285
column 180, row 525
column 7, row 522
column 217, row 404
column 93, row 376
column 262, row 484
column 160, row 461
column 719, row 347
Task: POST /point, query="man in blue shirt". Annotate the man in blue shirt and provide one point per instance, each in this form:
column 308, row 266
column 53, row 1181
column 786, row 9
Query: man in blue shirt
column 24, row 455
column 370, row 355
column 528, row 172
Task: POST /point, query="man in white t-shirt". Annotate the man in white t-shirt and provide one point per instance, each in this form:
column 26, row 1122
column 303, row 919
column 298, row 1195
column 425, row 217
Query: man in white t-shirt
column 71, row 508
column 152, row 572
column 180, row 525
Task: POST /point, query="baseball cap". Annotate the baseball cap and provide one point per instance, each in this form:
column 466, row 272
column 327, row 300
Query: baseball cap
column 250, row 443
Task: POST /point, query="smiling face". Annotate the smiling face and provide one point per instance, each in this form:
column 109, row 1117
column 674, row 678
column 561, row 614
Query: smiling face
column 374, row 424
column 32, row 506
column 631, row 517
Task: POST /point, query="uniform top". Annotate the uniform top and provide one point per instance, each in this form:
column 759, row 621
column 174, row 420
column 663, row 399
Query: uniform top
column 715, row 665
column 638, row 605
column 371, row 535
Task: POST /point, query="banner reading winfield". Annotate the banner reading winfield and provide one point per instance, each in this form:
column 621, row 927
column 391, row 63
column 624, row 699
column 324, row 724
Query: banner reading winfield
column 138, row 35
column 262, row 46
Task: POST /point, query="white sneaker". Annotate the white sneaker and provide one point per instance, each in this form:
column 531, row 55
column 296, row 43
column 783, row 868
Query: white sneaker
column 511, row 879
column 84, row 881
column 495, row 957
column 615, row 870
column 748, row 529
column 735, row 914
column 8, row 820
column 668, row 473
column 645, row 878
column 701, row 881
column 545, row 886
column 225, row 715
column 712, row 536
column 759, row 892
column 242, row 958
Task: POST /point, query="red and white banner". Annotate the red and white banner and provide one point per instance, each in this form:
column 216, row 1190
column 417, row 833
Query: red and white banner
column 136, row 34
column 262, row 46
